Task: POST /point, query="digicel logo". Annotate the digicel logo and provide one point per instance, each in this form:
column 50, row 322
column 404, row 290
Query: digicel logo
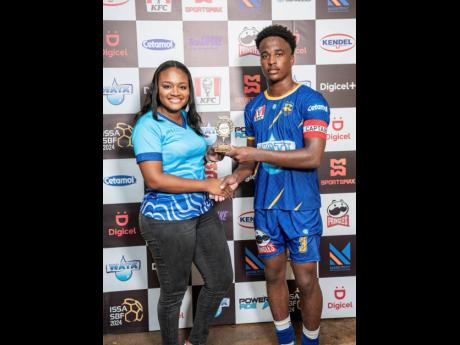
column 122, row 220
column 340, row 294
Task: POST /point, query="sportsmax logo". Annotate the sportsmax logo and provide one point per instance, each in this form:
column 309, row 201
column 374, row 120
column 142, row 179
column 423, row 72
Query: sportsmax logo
column 317, row 107
column 158, row 44
column 337, row 43
column 119, row 180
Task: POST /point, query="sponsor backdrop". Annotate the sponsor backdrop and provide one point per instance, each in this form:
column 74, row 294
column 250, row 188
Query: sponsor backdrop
column 215, row 39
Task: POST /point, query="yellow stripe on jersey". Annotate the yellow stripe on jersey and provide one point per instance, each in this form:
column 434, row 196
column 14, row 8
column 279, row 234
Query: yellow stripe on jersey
column 276, row 118
column 276, row 199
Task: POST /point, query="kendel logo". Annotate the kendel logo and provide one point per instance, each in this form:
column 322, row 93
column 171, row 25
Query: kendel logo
column 337, row 43
column 246, row 220
column 114, row 2
column 119, row 180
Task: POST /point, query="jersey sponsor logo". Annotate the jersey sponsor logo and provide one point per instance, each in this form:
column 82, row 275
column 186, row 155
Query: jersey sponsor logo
column 317, row 107
column 259, row 114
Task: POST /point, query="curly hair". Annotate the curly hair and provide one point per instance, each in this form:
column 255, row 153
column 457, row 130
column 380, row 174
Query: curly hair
column 277, row 30
column 152, row 99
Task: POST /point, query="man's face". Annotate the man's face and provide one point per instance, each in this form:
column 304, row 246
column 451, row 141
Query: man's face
column 276, row 58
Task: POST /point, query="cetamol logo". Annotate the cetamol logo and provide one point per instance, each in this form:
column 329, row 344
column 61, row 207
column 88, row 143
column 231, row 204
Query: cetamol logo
column 118, row 137
column 124, row 270
column 158, row 44
column 254, row 302
column 204, row 9
column 337, row 214
column 223, row 304
column 119, row 180
column 252, row 264
column 340, row 294
column 240, row 132
column 294, row 300
column 250, row 4
column 210, row 134
column 264, row 244
column 122, row 220
column 246, row 220
column 158, row 6
column 336, row 6
column 130, row 310
column 337, row 43
column 338, row 167
column 207, row 90
column 337, row 125
column 339, row 261
column 114, row 2
column 117, row 92
column 247, row 42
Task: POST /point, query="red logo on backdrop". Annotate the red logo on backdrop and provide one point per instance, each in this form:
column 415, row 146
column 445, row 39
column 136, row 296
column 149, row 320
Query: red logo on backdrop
column 247, row 38
column 121, row 219
column 112, row 39
column 337, row 214
column 299, row 50
column 338, row 167
column 339, row 293
column 210, row 169
column 114, row 2
column 337, row 125
column 251, row 83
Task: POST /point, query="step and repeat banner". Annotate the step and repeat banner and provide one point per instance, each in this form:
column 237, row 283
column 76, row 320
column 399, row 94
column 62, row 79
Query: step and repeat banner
column 216, row 40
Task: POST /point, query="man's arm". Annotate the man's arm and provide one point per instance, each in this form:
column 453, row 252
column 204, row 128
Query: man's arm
column 308, row 157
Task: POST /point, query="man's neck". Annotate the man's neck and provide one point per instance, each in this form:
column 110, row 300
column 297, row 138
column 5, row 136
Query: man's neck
column 280, row 87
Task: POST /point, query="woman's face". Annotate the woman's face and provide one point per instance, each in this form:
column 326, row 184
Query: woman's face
column 173, row 89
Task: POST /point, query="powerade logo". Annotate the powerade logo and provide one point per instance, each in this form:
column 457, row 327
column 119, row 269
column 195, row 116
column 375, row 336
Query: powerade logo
column 253, row 302
column 114, row 2
column 223, row 304
column 124, row 270
column 117, row 92
column 337, row 43
column 119, row 180
column 158, row 44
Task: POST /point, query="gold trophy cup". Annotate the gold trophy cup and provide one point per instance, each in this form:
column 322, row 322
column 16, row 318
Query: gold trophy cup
column 224, row 128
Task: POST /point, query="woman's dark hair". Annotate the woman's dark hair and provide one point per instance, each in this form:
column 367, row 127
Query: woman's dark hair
column 152, row 100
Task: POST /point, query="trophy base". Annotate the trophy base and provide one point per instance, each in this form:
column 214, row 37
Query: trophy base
column 222, row 148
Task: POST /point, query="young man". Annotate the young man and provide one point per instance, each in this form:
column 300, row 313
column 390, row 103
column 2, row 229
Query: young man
column 286, row 135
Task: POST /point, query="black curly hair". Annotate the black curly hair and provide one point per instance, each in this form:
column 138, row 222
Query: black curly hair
column 152, row 99
column 277, row 30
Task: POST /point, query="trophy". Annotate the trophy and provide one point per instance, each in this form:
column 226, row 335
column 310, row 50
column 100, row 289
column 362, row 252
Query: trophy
column 224, row 128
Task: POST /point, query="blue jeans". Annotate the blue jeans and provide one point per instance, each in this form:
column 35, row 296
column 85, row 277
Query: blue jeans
column 174, row 246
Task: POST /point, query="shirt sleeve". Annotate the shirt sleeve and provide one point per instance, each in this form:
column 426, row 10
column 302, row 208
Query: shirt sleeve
column 146, row 141
column 315, row 115
column 248, row 122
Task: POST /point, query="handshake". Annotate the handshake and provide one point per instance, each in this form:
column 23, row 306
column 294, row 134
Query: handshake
column 223, row 188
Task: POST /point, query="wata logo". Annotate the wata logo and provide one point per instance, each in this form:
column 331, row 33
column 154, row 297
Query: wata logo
column 117, row 92
column 124, row 270
column 119, row 180
column 337, row 43
column 223, row 304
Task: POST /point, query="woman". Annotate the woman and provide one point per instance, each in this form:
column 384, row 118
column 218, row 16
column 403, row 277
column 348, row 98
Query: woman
column 177, row 218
